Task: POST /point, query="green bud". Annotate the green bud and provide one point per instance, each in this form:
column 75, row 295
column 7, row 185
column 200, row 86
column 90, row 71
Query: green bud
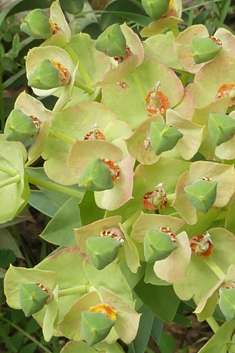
column 32, row 298
column 102, row 250
column 202, row 194
column 36, row 24
column 45, row 76
column 204, row 49
column 96, row 176
column 227, row 302
column 155, row 8
column 157, row 245
column 95, row 326
column 163, row 137
column 112, row 41
column 221, row 128
column 20, row 127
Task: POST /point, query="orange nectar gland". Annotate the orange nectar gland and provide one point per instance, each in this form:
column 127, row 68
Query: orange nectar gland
column 156, row 101
column 114, row 233
column 168, row 231
column 120, row 59
column 55, row 28
column 171, row 10
column 47, row 290
column 155, row 199
column 216, row 40
column 63, row 72
column 95, row 134
column 201, row 245
column 114, row 169
column 104, row 309
column 227, row 90
column 35, row 121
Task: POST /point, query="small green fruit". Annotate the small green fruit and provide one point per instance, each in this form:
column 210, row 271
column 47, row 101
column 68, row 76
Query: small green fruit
column 32, row 298
column 202, row 194
column 112, row 41
column 157, row 245
column 96, row 176
column 102, row 250
column 45, row 76
column 36, row 24
column 163, row 137
column 20, row 127
column 204, row 49
column 155, row 8
column 95, row 326
column 221, row 128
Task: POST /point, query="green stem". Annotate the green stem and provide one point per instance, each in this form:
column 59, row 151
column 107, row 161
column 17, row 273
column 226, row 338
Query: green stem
column 54, row 187
column 8, row 170
column 129, row 222
column 13, row 180
column 81, row 68
column 2, row 119
column 213, row 324
column 175, row 30
column 88, row 89
column 214, row 267
column 26, row 335
column 82, row 289
column 184, row 78
column 61, row 136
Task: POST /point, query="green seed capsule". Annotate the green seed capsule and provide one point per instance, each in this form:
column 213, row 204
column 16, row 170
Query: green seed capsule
column 112, row 41
column 204, row 49
column 49, row 74
column 157, row 245
column 202, row 194
column 36, row 24
column 20, row 127
column 102, row 250
column 32, row 298
column 96, row 176
column 221, row 128
column 95, row 326
column 163, row 137
column 155, row 8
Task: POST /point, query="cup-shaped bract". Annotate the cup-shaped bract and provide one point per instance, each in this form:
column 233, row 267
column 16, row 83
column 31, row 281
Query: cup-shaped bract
column 155, row 8
column 36, row 24
column 32, row 298
column 102, row 250
column 202, row 194
column 95, row 326
column 204, row 49
column 157, row 245
column 227, row 302
column 20, row 127
column 163, row 137
column 112, row 41
column 96, row 176
column 221, row 128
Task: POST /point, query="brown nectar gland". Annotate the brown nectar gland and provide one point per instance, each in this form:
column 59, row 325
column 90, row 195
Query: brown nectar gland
column 155, row 199
column 201, row 245
column 114, row 233
column 55, row 28
column 216, row 40
column 63, row 72
column 227, row 90
column 46, row 290
column 168, row 231
column 35, row 121
column 114, row 169
column 156, row 101
column 104, row 309
column 95, row 134
column 120, row 59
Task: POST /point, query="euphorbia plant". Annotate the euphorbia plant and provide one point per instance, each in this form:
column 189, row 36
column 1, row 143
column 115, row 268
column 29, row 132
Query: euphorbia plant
column 138, row 152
